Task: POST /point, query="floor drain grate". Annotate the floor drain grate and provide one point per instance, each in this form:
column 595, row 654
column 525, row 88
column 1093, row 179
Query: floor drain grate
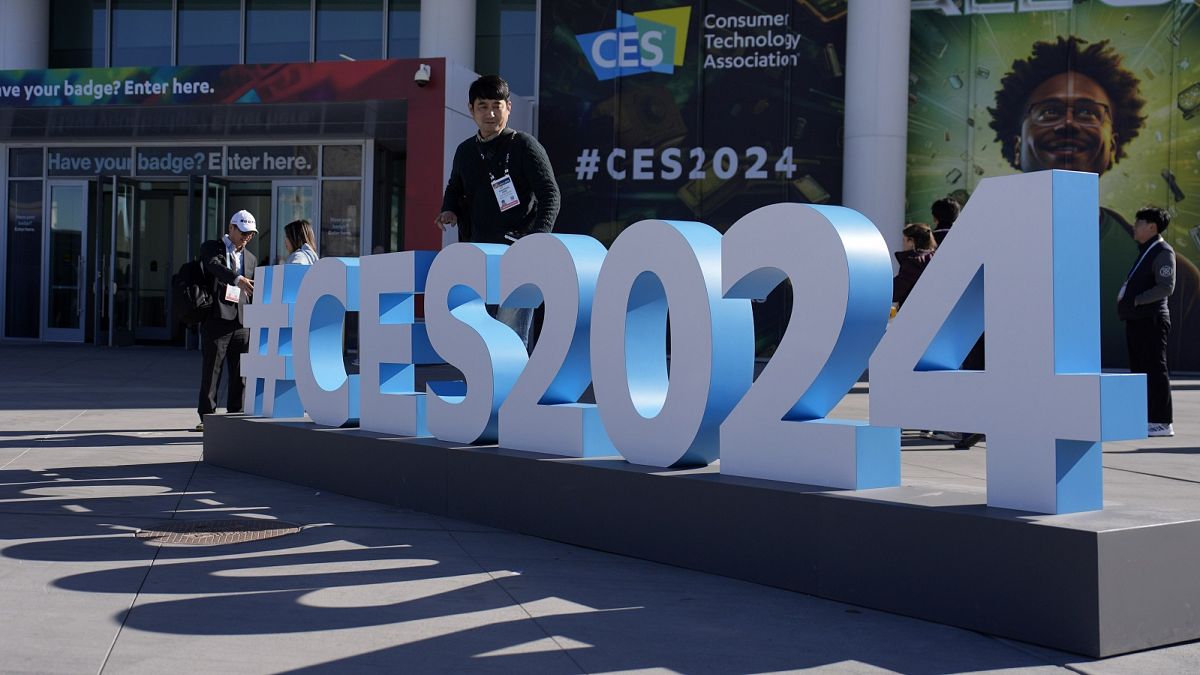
column 214, row 532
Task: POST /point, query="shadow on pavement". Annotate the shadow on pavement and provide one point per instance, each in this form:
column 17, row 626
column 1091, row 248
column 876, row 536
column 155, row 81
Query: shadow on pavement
column 453, row 602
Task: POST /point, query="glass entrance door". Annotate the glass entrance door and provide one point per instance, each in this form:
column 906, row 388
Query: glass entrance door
column 207, row 197
column 161, row 247
column 65, row 276
column 293, row 200
column 118, row 278
column 216, row 198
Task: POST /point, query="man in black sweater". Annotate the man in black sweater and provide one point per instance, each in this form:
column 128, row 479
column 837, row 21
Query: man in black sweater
column 501, row 185
column 1142, row 305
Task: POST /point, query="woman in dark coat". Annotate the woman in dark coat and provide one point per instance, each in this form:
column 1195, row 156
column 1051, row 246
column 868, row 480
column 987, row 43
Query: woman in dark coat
column 919, row 246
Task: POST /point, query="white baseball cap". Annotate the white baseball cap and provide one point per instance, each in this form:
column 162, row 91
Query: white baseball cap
column 244, row 221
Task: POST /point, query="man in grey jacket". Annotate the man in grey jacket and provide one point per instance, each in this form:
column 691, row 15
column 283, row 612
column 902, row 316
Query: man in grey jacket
column 1142, row 305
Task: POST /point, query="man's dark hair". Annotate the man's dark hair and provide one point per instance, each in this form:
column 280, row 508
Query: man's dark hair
column 945, row 212
column 1067, row 54
column 1153, row 214
column 489, row 87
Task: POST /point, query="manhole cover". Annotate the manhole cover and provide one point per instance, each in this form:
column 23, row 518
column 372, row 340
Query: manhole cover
column 214, row 532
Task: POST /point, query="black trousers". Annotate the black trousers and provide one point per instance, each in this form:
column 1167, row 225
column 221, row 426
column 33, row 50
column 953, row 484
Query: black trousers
column 223, row 342
column 1146, row 340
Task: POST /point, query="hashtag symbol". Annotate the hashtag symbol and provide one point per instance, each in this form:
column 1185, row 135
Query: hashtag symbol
column 267, row 366
column 587, row 164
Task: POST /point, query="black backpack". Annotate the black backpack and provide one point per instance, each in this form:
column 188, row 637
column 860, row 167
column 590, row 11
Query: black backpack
column 192, row 299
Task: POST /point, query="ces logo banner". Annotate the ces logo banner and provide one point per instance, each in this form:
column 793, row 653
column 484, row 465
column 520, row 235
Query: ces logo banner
column 642, row 42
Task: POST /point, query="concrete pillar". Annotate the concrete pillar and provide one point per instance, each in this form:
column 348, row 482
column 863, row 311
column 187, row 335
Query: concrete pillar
column 876, row 140
column 448, row 29
column 24, row 34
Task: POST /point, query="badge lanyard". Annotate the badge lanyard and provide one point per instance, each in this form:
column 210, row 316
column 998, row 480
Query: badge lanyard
column 232, row 292
column 1139, row 262
column 503, row 187
column 1136, row 265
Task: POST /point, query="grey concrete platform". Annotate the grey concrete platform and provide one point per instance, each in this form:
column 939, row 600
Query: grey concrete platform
column 95, row 443
column 1099, row 583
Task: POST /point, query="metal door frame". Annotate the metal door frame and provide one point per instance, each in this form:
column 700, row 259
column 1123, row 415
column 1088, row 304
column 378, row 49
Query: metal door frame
column 111, row 292
column 64, row 334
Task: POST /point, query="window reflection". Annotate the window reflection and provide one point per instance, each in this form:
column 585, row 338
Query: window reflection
column 404, row 28
column 25, row 163
column 277, row 31
column 77, row 33
column 349, row 29
column 342, row 160
column 209, row 32
column 340, row 207
column 505, row 42
column 141, row 32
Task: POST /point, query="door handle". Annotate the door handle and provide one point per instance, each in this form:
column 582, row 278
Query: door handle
column 81, row 285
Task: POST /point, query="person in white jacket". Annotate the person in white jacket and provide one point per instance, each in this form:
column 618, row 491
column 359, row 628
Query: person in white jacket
column 301, row 243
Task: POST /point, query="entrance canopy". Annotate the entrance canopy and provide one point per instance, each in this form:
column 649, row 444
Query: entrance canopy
column 378, row 119
column 291, row 101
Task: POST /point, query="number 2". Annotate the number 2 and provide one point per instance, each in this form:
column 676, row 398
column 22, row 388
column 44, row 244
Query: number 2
column 840, row 268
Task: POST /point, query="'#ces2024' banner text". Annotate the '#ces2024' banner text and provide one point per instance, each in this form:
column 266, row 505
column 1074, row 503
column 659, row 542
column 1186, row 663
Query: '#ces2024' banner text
column 692, row 110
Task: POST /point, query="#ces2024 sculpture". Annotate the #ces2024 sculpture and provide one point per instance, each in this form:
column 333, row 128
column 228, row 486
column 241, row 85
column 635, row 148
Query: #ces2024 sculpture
column 1022, row 262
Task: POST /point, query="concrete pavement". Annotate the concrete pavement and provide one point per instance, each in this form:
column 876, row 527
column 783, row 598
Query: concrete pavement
column 95, row 444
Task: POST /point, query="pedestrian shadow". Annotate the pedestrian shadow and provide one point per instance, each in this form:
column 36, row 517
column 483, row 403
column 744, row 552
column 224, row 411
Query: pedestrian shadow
column 1156, row 451
column 458, row 598
column 97, row 439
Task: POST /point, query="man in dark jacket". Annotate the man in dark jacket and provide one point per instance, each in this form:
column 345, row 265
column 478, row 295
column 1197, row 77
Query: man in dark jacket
column 944, row 212
column 1142, row 305
column 501, row 185
column 229, row 267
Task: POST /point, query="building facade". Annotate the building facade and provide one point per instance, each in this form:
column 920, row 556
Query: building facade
column 130, row 128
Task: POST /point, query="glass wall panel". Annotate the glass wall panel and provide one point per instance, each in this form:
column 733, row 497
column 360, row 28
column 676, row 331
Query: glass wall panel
column 340, row 209
column 68, row 225
column 277, row 31
column 25, row 163
column 292, row 202
column 404, row 28
column 141, row 32
column 155, row 220
column 505, row 42
column 342, row 160
column 77, row 33
column 388, row 220
column 518, row 43
column 23, row 287
column 210, row 32
column 349, row 28
column 122, row 262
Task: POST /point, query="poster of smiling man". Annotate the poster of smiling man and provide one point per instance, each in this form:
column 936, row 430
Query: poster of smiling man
column 1106, row 86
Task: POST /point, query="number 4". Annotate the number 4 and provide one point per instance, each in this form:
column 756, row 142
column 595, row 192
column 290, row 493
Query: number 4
column 1023, row 260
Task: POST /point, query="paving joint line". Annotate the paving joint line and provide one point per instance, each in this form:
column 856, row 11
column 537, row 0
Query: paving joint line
column 149, row 568
column 1154, row 475
column 518, row 603
column 42, row 438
